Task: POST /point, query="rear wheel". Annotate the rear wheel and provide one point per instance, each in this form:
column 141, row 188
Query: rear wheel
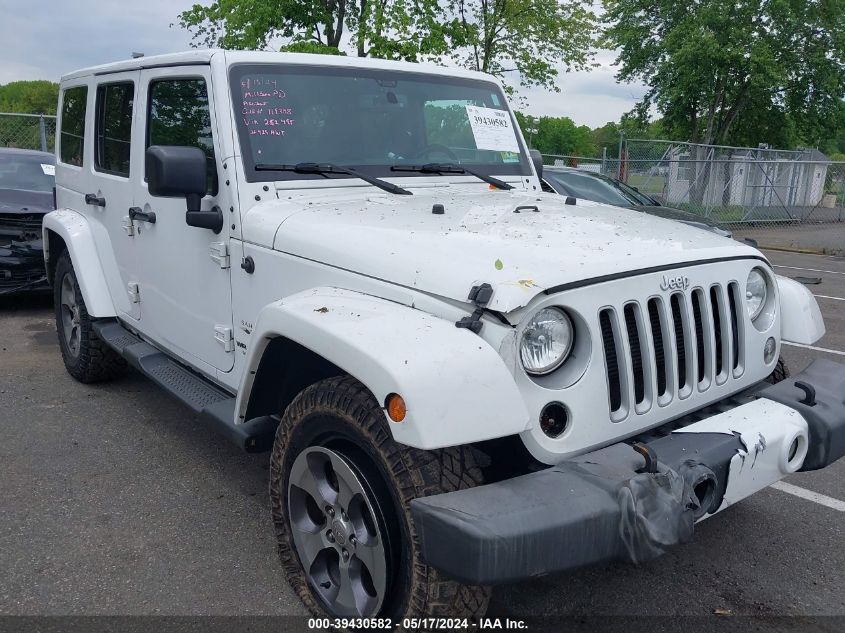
column 340, row 491
column 87, row 358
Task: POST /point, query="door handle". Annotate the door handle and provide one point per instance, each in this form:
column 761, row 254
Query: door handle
column 93, row 198
column 135, row 213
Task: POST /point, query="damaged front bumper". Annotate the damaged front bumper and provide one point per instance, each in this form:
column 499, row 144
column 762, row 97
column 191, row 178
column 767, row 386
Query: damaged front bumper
column 21, row 254
column 633, row 502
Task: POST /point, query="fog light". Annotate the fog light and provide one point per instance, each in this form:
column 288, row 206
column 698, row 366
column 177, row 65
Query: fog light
column 553, row 419
column 769, row 350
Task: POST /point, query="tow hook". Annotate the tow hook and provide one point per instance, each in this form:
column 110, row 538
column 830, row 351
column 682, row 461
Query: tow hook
column 649, row 455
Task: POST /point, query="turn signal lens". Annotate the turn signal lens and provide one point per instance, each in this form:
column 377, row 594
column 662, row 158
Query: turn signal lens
column 396, row 409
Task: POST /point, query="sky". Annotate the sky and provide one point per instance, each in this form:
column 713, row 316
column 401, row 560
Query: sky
column 72, row 34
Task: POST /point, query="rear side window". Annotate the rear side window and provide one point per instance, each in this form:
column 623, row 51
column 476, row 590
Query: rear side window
column 72, row 139
column 114, row 127
column 179, row 115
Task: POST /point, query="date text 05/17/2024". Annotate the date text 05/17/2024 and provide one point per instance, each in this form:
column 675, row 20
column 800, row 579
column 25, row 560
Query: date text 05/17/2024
column 453, row 624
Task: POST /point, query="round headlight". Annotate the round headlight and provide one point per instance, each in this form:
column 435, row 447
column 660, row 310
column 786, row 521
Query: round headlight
column 756, row 291
column 547, row 341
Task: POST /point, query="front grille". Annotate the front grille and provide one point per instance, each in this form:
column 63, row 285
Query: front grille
column 21, row 226
column 667, row 349
column 25, row 222
column 611, row 360
column 658, row 324
column 21, row 256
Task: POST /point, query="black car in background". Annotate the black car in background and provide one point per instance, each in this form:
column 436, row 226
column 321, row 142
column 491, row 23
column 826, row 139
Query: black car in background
column 26, row 195
column 588, row 185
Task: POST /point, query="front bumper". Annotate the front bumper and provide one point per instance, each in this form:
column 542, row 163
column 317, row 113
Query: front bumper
column 616, row 504
column 21, row 254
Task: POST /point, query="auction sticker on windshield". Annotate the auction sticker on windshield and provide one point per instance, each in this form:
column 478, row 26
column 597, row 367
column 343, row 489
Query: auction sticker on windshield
column 492, row 129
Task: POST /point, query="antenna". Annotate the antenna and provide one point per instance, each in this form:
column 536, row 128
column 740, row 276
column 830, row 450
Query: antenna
column 136, row 55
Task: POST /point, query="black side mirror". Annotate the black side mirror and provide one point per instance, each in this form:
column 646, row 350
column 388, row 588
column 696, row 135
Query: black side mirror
column 174, row 171
column 537, row 159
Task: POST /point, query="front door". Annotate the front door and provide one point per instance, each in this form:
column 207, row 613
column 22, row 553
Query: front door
column 185, row 276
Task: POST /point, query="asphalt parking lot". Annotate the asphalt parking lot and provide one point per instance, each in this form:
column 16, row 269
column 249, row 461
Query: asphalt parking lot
column 114, row 500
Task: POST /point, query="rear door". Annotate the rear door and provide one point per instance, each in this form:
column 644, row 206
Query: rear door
column 185, row 282
column 116, row 163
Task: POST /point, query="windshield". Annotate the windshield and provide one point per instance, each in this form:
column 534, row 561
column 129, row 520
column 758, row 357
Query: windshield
column 370, row 120
column 593, row 187
column 26, row 171
column 637, row 195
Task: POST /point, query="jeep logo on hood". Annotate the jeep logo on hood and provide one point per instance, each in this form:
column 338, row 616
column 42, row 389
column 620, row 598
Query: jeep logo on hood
column 681, row 282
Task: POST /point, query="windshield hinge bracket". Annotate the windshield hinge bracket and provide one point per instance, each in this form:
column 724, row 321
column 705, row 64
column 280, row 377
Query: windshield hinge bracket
column 480, row 296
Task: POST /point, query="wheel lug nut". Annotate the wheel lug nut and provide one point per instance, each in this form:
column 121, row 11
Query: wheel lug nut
column 330, row 511
column 352, row 540
column 330, row 536
column 343, row 515
column 345, row 556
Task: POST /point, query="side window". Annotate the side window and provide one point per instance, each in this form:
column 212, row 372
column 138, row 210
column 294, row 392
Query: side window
column 72, row 138
column 114, row 128
column 179, row 115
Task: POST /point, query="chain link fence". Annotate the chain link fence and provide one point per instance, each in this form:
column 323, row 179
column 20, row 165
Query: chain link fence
column 781, row 199
column 28, row 131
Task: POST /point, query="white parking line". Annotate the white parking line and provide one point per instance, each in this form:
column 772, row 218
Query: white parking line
column 826, row 297
column 809, row 495
column 814, row 348
column 815, row 270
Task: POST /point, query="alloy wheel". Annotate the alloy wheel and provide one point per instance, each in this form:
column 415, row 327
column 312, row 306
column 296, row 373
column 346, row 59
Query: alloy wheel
column 332, row 517
column 70, row 314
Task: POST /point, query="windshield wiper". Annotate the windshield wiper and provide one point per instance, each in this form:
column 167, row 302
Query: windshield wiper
column 452, row 168
column 323, row 169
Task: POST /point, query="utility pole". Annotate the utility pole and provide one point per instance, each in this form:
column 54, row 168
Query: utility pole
column 531, row 129
column 620, row 172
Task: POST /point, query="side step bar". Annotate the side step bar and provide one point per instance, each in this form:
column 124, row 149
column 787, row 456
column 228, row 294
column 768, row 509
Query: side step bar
column 215, row 406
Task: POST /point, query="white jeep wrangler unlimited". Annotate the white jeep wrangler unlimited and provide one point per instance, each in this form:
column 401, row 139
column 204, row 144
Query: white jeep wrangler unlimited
column 464, row 381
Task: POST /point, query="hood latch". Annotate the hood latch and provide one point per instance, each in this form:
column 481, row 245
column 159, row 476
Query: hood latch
column 480, row 296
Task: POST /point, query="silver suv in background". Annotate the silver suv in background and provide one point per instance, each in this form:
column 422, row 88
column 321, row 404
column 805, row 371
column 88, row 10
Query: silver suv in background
column 587, row 185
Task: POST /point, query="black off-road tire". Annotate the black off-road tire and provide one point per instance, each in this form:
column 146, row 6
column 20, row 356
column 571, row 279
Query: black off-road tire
column 780, row 372
column 340, row 412
column 95, row 361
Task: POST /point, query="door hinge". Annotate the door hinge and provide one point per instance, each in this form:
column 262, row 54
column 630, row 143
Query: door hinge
column 220, row 254
column 134, row 292
column 128, row 225
column 223, row 335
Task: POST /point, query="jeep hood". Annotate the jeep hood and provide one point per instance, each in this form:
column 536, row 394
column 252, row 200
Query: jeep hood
column 482, row 236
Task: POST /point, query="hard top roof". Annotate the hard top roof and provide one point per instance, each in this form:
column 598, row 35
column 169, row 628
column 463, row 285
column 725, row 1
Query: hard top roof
column 204, row 56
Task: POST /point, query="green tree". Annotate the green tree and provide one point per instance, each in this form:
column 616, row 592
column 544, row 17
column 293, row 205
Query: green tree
column 26, row 97
column 31, row 97
column 557, row 135
column 531, row 40
column 393, row 29
column 725, row 71
column 632, row 127
column 525, row 41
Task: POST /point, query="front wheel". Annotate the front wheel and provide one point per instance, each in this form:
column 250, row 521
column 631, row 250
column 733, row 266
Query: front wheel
column 779, row 373
column 340, row 490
